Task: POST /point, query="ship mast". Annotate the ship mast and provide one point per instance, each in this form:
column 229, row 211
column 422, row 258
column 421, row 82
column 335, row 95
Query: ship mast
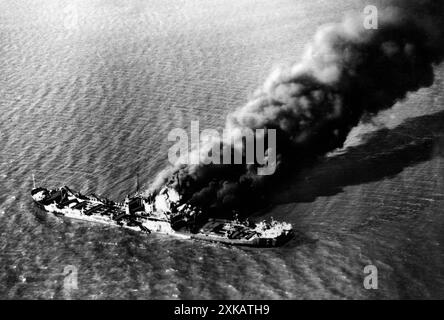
column 178, row 182
column 137, row 183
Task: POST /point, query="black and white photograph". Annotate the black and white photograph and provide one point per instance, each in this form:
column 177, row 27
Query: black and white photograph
column 221, row 150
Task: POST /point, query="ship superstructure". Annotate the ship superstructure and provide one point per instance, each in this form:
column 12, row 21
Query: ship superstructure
column 160, row 213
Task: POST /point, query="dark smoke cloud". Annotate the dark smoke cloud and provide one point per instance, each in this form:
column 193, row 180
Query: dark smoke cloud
column 346, row 72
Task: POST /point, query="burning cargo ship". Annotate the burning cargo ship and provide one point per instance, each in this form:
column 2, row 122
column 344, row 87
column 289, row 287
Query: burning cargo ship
column 162, row 213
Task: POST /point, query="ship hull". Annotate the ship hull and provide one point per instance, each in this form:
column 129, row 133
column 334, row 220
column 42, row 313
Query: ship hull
column 137, row 216
column 257, row 242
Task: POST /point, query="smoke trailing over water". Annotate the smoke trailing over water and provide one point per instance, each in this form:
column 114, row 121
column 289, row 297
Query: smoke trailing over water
column 346, row 72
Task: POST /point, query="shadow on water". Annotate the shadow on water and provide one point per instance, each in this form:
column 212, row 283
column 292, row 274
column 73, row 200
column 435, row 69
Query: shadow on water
column 385, row 153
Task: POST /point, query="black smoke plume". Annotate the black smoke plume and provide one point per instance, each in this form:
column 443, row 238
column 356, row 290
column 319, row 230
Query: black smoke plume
column 347, row 72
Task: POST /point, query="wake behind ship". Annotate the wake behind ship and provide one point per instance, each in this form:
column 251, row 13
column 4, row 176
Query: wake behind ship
column 162, row 213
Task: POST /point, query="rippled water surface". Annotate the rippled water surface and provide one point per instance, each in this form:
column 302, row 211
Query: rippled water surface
column 90, row 104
